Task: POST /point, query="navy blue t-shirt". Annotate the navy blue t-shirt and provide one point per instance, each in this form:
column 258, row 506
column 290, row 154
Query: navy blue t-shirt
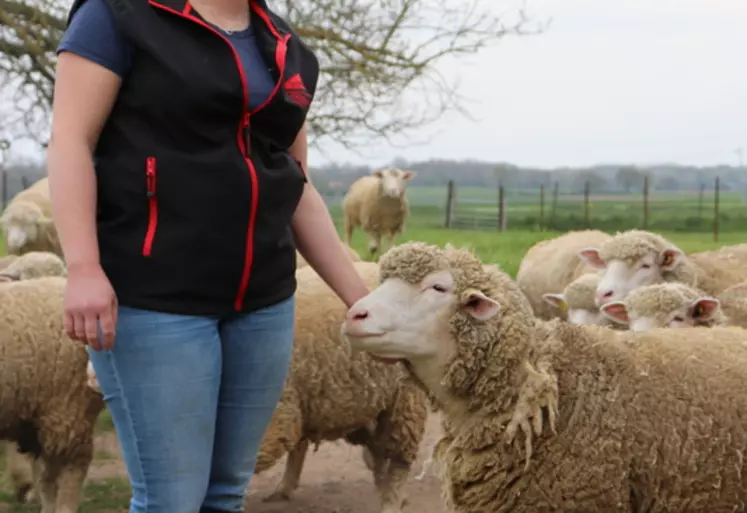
column 94, row 35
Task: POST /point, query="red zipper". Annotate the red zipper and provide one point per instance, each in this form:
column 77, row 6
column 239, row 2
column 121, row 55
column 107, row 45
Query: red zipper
column 150, row 188
column 244, row 132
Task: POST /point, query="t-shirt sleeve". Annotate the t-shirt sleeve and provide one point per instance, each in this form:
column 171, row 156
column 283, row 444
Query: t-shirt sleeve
column 93, row 34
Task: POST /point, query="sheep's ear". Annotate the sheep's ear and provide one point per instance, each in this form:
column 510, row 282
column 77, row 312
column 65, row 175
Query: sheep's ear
column 704, row 308
column 556, row 300
column 8, row 276
column 616, row 311
column 46, row 221
column 670, row 258
column 378, row 173
column 591, row 257
column 478, row 305
column 408, row 175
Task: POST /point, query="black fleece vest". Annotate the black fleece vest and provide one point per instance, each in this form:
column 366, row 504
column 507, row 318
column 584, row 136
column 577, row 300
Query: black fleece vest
column 195, row 194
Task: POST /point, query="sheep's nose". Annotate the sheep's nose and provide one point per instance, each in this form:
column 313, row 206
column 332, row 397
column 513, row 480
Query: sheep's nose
column 604, row 295
column 357, row 314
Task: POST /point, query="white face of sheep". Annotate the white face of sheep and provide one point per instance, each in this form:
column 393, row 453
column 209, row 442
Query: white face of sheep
column 695, row 313
column 401, row 321
column 575, row 315
column 22, row 226
column 619, row 278
column 393, row 181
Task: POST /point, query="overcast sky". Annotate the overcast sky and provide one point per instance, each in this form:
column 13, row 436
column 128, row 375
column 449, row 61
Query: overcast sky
column 637, row 81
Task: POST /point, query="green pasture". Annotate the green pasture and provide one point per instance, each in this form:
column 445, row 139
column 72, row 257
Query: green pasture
column 426, row 224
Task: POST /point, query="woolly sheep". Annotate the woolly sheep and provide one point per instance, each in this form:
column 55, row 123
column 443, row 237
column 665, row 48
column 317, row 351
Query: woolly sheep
column 676, row 305
column 635, row 258
column 33, row 264
column 354, row 256
column 46, row 406
column 577, row 301
column 377, row 203
column 27, row 221
column 613, row 421
column 331, row 394
column 6, row 260
column 550, row 265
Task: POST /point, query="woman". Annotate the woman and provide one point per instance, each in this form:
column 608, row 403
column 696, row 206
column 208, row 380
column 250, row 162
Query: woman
column 177, row 169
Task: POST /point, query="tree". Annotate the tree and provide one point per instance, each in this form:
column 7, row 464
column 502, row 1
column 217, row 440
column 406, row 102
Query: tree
column 374, row 56
column 628, row 177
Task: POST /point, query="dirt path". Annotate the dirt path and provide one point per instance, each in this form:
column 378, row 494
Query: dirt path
column 334, row 480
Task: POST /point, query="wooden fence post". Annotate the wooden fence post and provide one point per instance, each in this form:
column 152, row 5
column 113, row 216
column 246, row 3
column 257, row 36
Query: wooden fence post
column 587, row 191
column 501, row 209
column 716, row 190
column 449, row 203
column 542, row 208
column 645, row 201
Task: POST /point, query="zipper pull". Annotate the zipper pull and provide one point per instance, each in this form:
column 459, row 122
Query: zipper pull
column 247, row 133
column 150, row 176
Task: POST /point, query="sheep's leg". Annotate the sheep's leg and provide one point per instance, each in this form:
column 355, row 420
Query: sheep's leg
column 20, row 468
column 46, row 485
column 389, row 478
column 374, row 242
column 292, row 474
column 69, row 483
column 390, row 241
column 348, row 230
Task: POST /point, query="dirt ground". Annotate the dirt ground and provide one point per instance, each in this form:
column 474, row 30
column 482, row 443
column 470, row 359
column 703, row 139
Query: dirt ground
column 334, row 480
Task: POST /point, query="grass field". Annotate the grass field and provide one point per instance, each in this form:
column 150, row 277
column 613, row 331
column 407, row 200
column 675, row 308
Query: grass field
column 111, row 495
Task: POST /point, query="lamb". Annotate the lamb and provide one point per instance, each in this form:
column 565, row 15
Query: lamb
column 550, row 265
column 635, row 258
column 6, row 260
column 33, row 264
column 577, row 301
column 613, row 421
column 46, row 406
column 377, row 203
column 27, row 221
column 331, row 395
column 676, row 305
column 301, row 261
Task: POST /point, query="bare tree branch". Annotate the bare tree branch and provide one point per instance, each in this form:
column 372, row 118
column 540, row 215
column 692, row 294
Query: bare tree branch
column 379, row 60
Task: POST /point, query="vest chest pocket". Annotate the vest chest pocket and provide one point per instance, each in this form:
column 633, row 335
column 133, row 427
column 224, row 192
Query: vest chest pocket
column 151, row 178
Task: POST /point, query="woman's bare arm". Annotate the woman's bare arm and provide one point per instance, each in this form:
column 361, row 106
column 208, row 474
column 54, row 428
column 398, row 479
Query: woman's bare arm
column 83, row 97
column 317, row 239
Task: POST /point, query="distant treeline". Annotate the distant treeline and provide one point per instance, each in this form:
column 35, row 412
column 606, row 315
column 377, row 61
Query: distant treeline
column 335, row 179
column 611, row 179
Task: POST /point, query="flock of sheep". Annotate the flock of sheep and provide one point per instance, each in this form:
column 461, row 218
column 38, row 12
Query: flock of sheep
column 538, row 412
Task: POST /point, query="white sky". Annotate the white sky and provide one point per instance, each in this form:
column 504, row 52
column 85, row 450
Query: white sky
column 638, row 81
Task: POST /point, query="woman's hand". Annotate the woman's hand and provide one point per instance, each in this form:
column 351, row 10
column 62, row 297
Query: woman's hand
column 90, row 300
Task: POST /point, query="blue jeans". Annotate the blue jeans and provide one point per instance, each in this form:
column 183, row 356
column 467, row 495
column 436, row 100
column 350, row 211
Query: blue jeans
column 191, row 398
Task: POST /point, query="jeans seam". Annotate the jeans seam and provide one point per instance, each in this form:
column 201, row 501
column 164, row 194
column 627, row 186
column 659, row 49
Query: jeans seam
column 130, row 426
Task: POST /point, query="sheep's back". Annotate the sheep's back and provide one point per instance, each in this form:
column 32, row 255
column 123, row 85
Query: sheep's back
column 39, row 363
column 550, row 265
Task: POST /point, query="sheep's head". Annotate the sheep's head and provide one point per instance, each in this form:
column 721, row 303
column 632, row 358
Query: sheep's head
column 21, row 224
column 630, row 260
column 393, row 181
column 442, row 312
column 665, row 305
column 577, row 301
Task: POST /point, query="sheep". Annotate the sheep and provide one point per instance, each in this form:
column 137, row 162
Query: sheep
column 33, row 264
column 613, row 421
column 27, row 221
column 301, row 261
column 676, row 305
column 6, row 260
column 550, row 265
column 577, row 301
column 46, row 406
column 331, row 395
column 635, row 258
column 377, row 203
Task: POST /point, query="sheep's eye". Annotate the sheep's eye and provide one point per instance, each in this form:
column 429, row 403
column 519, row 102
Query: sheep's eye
column 439, row 288
column 678, row 318
column 645, row 266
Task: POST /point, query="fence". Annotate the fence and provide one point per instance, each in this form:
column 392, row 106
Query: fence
column 13, row 183
column 708, row 209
